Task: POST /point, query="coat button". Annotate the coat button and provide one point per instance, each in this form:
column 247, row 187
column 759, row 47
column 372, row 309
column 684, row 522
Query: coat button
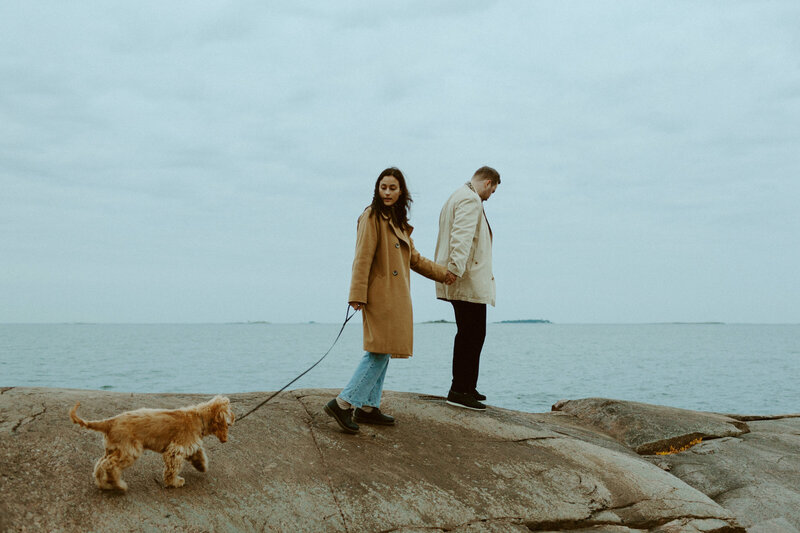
column 397, row 245
column 394, row 272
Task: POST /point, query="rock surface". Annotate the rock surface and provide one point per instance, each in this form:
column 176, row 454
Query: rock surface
column 748, row 464
column 648, row 429
column 757, row 475
column 288, row 467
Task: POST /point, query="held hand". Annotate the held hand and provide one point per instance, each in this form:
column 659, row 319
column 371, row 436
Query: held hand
column 450, row 278
column 356, row 305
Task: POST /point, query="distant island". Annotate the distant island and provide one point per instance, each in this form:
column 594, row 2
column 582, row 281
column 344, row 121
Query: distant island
column 526, row 321
column 695, row 323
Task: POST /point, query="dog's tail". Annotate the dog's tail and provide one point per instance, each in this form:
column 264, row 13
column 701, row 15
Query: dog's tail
column 100, row 425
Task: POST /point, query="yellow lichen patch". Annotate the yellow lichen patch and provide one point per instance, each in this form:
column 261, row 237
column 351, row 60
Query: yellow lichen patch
column 672, row 449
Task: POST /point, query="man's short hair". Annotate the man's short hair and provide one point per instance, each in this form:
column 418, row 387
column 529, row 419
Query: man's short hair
column 487, row 173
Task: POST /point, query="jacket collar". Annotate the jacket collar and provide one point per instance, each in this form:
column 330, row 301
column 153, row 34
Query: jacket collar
column 469, row 185
column 402, row 235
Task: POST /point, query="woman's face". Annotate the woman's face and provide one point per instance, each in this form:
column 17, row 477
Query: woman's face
column 389, row 190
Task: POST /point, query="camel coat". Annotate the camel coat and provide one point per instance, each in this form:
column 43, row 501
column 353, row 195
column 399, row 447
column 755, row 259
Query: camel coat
column 381, row 281
column 464, row 246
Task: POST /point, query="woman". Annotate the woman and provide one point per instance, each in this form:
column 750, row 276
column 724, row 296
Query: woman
column 380, row 288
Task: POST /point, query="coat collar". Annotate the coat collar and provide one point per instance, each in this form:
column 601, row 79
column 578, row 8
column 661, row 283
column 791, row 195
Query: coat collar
column 471, row 188
column 400, row 234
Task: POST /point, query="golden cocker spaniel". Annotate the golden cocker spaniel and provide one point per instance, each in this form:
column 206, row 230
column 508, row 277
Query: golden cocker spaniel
column 176, row 434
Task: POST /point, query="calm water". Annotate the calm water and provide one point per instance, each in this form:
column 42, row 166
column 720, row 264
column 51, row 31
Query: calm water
column 748, row 369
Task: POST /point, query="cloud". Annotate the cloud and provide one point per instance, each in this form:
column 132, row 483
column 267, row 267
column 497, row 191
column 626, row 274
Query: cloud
column 215, row 157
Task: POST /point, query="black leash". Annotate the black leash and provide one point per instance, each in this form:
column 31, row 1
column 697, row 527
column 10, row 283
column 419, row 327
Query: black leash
column 346, row 320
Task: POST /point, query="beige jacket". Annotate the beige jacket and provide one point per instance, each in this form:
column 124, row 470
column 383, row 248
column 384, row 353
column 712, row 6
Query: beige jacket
column 381, row 280
column 464, row 246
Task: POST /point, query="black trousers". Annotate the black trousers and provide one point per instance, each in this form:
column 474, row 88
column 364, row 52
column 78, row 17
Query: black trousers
column 471, row 323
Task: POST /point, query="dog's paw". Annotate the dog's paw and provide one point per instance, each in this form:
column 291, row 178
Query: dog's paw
column 199, row 464
column 177, row 482
column 107, row 485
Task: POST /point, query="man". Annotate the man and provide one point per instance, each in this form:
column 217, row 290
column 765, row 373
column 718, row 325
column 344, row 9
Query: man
column 464, row 246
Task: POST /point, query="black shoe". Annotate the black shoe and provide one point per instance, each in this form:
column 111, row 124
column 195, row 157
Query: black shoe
column 343, row 417
column 461, row 399
column 477, row 395
column 373, row 417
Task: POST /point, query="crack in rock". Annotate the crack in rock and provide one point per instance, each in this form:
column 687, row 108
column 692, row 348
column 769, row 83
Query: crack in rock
column 324, row 465
column 567, row 525
column 591, row 520
column 718, row 496
column 671, row 445
column 536, row 438
column 30, row 418
column 402, row 528
column 526, row 439
column 495, row 519
column 760, row 418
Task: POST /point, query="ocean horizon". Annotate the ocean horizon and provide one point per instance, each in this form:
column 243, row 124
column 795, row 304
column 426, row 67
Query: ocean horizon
column 731, row 368
column 537, row 321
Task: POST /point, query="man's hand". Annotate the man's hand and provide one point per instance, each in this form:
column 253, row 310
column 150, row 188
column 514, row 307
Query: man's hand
column 450, row 278
column 356, row 305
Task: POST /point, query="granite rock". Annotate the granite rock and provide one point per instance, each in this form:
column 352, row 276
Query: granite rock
column 288, row 467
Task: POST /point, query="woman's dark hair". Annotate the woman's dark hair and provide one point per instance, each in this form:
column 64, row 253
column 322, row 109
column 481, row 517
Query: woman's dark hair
column 398, row 211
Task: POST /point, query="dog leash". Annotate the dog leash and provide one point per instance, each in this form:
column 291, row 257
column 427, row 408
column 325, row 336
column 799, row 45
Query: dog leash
column 346, row 320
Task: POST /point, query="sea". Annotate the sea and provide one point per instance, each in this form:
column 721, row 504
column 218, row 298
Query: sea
column 726, row 368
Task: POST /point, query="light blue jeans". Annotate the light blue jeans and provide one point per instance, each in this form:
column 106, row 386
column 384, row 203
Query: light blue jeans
column 366, row 385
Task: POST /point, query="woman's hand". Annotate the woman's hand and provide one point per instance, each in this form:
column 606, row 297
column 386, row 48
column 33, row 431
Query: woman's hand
column 357, row 305
column 450, row 278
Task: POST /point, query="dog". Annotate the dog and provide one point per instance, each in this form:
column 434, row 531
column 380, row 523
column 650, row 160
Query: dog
column 176, row 434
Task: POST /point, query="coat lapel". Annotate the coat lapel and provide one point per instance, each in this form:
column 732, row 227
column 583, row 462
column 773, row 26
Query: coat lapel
column 400, row 234
column 491, row 237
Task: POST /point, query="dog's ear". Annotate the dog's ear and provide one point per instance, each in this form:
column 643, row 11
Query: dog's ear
column 222, row 410
column 220, row 417
column 217, row 403
column 219, row 400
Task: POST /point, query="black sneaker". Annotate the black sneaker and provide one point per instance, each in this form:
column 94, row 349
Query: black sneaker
column 477, row 395
column 467, row 401
column 343, row 417
column 373, row 417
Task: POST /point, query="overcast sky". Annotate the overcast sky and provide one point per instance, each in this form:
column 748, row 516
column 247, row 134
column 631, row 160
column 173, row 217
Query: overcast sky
column 207, row 161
